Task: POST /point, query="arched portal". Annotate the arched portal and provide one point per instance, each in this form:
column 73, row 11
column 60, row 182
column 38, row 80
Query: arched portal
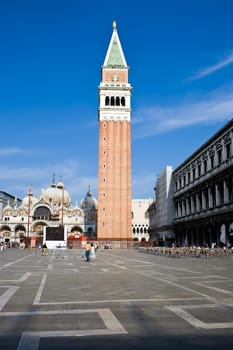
column 5, row 233
column 20, row 231
column 76, row 231
column 38, row 228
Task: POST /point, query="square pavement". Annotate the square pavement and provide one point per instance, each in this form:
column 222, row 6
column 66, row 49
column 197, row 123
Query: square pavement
column 125, row 299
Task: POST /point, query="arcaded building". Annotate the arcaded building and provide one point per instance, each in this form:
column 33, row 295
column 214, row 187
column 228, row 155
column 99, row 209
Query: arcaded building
column 140, row 219
column 114, row 168
column 203, row 193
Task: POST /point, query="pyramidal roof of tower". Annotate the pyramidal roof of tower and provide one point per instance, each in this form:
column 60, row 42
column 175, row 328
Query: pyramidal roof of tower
column 115, row 56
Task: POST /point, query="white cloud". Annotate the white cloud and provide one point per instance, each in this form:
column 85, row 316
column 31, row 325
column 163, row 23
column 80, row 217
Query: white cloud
column 20, row 173
column 209, row 70
column 11, row 151
column 17, row 180
column 66, row 169
column 212, row 108
column 17, row 151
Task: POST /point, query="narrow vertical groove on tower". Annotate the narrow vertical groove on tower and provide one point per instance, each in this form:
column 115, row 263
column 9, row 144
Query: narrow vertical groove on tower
column 114, row 173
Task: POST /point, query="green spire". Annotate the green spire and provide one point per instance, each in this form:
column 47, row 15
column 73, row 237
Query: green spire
column 115, row 56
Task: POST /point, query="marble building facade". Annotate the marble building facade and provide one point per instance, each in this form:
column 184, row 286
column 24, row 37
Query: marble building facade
column 203, row 193
column 201, row 196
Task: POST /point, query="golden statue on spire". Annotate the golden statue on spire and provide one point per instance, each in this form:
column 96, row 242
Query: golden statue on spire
column 114, row 24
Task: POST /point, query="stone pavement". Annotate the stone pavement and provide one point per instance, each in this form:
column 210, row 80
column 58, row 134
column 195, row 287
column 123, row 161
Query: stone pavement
column 124, row 300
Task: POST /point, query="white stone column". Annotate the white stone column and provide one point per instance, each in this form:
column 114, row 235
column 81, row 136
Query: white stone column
column 197, row 203
column 187, row 207
column 203, row 200
column 217, row 195
column 225, row 192
column 179, row 209
column 183, row 207
column 210, row 198
column 192, row 205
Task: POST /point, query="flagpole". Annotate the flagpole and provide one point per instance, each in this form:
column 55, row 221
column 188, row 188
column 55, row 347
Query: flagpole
column 29, row 209
column 62, row 206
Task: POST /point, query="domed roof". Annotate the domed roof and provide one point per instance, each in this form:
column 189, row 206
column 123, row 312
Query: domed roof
column 33, row 199
column 60, row 184
column 8, row 207
column 89, row 201
column 57, row 194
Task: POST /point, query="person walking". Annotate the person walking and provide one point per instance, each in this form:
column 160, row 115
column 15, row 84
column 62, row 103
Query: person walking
column 87, row 251
column 44, row 249
column 92, row 253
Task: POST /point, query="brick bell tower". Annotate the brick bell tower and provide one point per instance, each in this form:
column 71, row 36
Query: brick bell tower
column 114, row 173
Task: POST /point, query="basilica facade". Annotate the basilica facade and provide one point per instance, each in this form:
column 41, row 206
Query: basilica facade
column 27, row 218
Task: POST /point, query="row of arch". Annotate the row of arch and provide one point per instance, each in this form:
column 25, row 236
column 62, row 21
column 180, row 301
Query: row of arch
column 114, row 101
column 208, row 197
column 205, row 233
column 140, row 230
column 20, row 230
column 42, row 213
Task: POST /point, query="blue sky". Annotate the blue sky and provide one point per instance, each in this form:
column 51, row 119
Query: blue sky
column 180, row 54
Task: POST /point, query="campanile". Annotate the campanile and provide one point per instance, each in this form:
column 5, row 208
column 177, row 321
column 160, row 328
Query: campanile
column 114, row 168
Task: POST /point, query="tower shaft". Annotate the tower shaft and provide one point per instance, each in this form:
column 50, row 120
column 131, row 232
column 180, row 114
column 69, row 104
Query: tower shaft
column 114, row 173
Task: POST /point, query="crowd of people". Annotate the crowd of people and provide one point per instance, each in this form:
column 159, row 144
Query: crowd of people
column 90, row 249
column 192, row 251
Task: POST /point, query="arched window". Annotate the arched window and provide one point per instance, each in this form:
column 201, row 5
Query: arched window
column 42, row 213
column 107, row 101
column 112, row 101
column 118, row 101
column 123, row 101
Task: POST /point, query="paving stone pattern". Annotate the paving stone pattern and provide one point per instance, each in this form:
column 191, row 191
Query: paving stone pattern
column 123, row 300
